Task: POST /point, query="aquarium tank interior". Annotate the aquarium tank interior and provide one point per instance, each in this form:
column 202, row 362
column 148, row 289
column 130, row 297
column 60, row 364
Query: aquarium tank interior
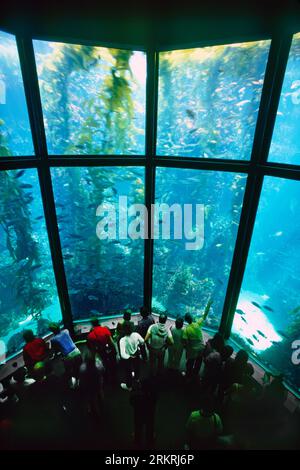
column 217, row 125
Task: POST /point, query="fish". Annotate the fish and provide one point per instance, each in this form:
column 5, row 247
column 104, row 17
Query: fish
column 26, row 186
column 250, row 341
column 73, row 235
column 244, row 320
column 278, row 234
column 218, row 245
column 268, row 308
column 19, row 173
column 240, row 312
column 36, row 266
column 255, row 337
column 256, row 304
column 68, row 256
column 241, row 103
column 191, row 114
column 92, row 297
column 282, row 334
column 95, row 312
column 261, row 333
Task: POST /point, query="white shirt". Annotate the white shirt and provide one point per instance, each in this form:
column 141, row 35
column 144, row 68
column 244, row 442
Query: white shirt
column 130, row 344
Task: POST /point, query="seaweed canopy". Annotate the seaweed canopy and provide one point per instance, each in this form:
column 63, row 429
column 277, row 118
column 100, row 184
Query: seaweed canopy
column 87, row 96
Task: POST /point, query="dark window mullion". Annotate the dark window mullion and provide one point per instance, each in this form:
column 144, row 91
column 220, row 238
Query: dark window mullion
column 151, row 122
column 30, row 80
column 274, row 76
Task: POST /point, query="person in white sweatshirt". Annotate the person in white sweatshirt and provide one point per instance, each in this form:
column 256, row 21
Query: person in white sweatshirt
column 130, row 351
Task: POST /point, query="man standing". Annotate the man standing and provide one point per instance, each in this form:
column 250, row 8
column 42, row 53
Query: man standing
column 158, row 338
column 193, row 341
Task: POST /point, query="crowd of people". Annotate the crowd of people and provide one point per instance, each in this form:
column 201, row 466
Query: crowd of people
column 225, row 382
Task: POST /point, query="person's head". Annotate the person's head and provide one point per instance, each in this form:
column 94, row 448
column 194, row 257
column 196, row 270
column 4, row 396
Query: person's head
column 144, row 312
column 89, row 358
column 217, row 342
column 241, row 357
column 127, row 315
column 20, row 375
column 188, row 318
column 95, row 322
column 39, row 371
column 162, row 318
column 226, row 352
column 28, row 336
column 127, row 329
column 179, row 323
column 55, row 328
column 208, row 405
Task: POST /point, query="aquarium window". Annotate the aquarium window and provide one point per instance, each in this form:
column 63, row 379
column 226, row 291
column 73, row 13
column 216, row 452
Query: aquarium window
column 104, row 274
column 208, row 100
column 15, row 134
column 93, row 99
column 267, row 318
column 28, row 294
column 189, row 270
column 285, row 146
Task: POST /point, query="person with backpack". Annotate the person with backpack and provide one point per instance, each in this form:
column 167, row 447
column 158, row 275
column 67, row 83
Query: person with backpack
column 158, row 338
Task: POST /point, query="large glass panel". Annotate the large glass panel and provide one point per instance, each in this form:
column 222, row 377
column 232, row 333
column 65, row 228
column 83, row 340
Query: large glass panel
column 104, row 275
column 285, row 146
column 15, row 134
column 93, row 98
column 28, row 295
column 267, row 319
column 185, row 278
column 209, row 99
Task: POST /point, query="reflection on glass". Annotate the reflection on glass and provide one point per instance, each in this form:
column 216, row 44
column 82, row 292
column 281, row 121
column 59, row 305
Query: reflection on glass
column 28, row 295
column 93, row 98
column 285, row 146
column 104, row 276
column 209, row 98
column 15, row 135
column 267, row 319
column 184, row 279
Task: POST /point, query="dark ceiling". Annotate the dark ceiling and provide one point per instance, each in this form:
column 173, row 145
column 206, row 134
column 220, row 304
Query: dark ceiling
column 144, row 24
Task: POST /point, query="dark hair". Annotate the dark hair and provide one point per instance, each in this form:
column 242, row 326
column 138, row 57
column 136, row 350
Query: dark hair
column 144, row 312
column 54, row 327
column 217, row 342
column 127, row 315
column 95, row 321
column 242, row 356
column 127, row 329
column 226, row 352
column 39, row 370
column 188, row 317
column 179, row 323
column 162, row 318
column 28, row 336
column 20, row 374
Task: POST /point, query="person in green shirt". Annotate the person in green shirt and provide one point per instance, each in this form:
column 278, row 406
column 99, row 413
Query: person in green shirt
column 193, row 342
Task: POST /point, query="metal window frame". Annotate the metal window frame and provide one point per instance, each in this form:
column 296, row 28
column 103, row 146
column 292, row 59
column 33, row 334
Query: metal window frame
column 256, row 168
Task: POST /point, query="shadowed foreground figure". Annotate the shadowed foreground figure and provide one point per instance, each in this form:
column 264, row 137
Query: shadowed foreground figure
column 91, row 383
column 143, row 398
column 204, row 427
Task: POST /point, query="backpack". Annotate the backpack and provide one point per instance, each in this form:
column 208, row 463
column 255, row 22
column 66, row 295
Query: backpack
column 158, row 338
